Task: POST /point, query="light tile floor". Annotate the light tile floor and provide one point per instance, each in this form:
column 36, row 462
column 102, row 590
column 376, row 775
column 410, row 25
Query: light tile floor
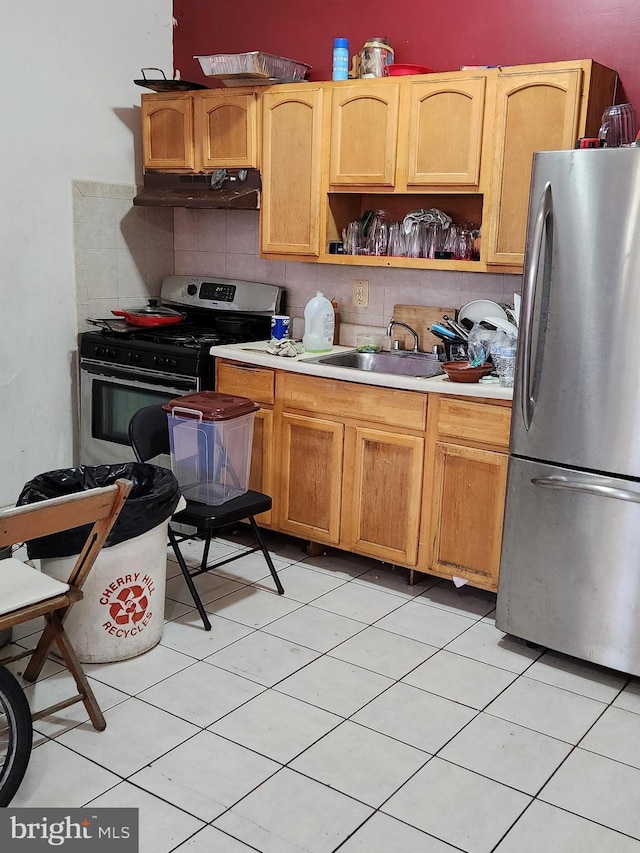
column 355, row 713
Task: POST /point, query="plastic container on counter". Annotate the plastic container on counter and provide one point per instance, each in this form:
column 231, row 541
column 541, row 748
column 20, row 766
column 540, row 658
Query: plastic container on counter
column 319, row 323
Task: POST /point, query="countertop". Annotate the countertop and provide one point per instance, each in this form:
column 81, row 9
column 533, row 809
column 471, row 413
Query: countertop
column 256, row 353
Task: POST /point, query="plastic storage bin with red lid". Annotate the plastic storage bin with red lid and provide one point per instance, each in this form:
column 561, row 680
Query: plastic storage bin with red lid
column 210, row 436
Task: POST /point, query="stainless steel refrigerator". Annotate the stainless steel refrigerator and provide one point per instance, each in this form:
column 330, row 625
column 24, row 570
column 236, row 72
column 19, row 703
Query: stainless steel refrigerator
column 570, row 566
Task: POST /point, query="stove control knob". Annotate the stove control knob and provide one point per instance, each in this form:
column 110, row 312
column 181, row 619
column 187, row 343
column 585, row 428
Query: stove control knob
column 192, row 289
column 112, row 353
column 159, row 360
column 134, row 356
column 172, row 362
column 100, row 352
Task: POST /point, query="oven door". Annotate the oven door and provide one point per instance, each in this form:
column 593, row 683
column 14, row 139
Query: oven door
column 108, row 398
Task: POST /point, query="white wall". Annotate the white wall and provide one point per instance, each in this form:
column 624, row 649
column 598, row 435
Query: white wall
column 70, row 110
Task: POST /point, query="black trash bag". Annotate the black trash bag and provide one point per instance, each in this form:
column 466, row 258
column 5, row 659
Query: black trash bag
column 152, row 500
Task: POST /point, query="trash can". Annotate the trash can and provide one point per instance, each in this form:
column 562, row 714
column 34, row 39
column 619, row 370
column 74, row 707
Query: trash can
column 121, row 614
column 210, row 437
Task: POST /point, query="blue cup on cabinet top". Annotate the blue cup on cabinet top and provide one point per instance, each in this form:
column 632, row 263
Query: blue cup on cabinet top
column 280, row 325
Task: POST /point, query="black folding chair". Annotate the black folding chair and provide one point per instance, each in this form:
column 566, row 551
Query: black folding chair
column 149, row 437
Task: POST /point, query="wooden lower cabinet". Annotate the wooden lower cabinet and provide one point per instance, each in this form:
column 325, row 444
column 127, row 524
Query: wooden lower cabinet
column 353, row 479
column 310, row 476
column 466, row 520
column 465, row 483
column 382, row 492
column 408, row 478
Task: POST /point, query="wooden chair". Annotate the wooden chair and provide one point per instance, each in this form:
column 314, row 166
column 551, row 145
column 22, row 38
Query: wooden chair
column 26, row 593
column 149, row 437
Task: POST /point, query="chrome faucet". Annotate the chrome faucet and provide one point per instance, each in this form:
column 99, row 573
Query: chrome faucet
column 411, row 331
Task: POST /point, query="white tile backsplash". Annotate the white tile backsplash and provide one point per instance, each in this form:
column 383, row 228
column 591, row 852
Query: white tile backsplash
column 124, row 252
column 226, row 243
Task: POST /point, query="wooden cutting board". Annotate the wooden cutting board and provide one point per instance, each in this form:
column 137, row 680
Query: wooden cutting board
column 420, row 318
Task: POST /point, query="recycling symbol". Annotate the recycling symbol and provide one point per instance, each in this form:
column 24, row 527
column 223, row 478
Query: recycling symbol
column 130, row 605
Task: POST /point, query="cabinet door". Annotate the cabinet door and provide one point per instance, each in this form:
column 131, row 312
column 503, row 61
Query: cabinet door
column 167, row 132
column 261, row 471
column 311, row 472
column 291, row 171
column 364, row 130
column 226, row 129
column 534, row 112
column 383, row 490
column 467, row 511
column 444, row 142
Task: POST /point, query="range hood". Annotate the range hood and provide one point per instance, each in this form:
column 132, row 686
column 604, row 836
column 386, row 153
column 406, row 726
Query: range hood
column 230, row 189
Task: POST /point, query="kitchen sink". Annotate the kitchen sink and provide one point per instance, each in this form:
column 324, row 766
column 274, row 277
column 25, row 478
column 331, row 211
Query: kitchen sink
column 401, row 363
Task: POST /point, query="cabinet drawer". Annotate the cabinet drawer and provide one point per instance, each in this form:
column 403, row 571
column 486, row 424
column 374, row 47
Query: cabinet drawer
column 407, row 409
column 245, row 380
column 474, row 422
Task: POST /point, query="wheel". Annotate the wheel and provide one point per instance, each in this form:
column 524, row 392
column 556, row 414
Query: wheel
column 16, row 735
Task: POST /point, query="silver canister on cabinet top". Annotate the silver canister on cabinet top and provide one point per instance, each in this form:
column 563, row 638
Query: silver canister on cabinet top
column 375, row 55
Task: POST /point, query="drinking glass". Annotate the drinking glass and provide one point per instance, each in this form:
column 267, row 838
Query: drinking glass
column 396, row 247
column 378, row 236
column 449, row 238
column 355, row 239
column 463, row 245
column 413, row 241
column 432, row 239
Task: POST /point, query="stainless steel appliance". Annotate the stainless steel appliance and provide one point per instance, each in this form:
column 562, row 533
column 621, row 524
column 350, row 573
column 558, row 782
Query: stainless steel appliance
column 570, row 569
column 123, row 368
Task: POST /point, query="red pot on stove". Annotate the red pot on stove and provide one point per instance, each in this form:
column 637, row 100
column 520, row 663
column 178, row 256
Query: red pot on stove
column 151, row 315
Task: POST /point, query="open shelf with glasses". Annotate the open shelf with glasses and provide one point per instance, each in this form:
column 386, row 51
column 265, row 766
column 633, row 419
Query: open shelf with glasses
column 342, row 208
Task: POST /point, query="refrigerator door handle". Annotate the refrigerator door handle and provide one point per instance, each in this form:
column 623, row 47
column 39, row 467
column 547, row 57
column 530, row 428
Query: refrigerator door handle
column 545, row 208
column 587, row 488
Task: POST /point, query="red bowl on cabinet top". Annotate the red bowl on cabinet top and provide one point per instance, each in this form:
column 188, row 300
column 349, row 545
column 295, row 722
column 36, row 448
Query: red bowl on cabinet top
column 399, row 69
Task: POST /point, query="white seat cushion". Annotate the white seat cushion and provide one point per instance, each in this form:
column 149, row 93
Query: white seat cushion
column 20, row 586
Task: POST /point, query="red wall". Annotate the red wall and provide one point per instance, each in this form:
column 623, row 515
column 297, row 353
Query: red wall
column 442, row 35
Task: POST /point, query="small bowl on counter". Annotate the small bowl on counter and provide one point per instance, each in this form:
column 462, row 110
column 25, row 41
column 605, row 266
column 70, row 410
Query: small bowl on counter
column 369, row 343
column 462, row 371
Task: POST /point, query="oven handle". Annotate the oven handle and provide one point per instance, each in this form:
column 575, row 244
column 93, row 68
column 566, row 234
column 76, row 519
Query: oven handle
column 149, row 377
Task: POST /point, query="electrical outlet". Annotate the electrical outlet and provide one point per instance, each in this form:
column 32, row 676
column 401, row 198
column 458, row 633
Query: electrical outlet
column 360, row 293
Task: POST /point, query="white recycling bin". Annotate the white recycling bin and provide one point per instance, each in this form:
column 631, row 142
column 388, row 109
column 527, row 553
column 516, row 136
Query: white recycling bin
column 121, row 614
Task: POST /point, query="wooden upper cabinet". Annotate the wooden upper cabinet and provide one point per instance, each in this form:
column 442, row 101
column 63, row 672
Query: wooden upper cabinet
column 544, row 108
column 167, row 132
column 200, row 131
column 291, row 170
column 443, row 145
column 226, row 128
column 364, row 132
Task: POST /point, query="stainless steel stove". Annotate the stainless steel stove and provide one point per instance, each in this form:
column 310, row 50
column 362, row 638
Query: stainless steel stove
column 124, row 367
